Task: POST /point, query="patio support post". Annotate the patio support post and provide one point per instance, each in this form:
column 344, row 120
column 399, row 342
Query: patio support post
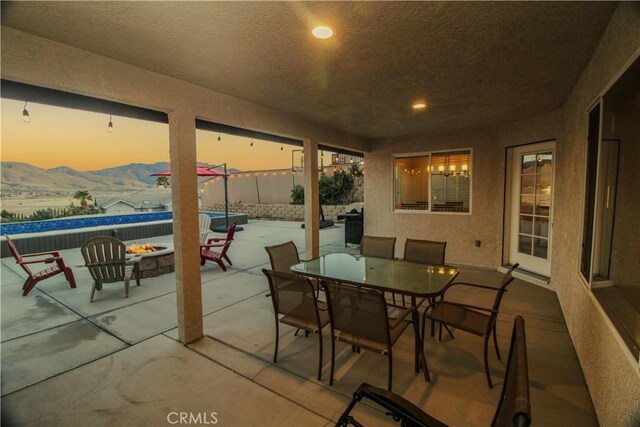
column 311, row 200
column 184, row 197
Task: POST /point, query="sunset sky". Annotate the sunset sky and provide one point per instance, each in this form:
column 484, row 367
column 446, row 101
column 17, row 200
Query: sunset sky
column 79, row 139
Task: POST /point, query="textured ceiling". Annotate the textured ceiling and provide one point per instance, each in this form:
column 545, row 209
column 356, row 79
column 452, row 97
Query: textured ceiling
column 476, row 64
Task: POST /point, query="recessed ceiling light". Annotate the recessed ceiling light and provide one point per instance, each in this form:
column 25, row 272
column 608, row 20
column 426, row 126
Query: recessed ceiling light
column 420, row 105
column 322, row 32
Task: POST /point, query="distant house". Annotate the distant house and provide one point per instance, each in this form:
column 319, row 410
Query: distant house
column 150, row 200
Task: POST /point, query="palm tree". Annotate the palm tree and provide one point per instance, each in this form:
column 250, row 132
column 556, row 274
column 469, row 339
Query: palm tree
column 83, row 196
column 163, row 181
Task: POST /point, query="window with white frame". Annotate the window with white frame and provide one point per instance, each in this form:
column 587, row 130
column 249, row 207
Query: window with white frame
column 433, row 182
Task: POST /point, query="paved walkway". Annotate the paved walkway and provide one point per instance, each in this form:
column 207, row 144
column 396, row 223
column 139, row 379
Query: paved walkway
column 66, row 361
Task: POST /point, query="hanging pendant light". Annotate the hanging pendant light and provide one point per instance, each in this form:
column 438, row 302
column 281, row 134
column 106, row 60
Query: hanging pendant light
column 110, row 125
column 251, row 145
column 281, row 148
column 25, row 114
column 219, row 139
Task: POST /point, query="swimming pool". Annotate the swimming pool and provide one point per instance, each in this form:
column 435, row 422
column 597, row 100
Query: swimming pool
column 91, row 221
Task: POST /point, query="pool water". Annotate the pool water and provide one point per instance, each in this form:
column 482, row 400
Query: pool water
column 88, row 221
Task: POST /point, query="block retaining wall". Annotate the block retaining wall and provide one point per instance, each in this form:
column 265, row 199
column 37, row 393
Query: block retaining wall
column 276, row 211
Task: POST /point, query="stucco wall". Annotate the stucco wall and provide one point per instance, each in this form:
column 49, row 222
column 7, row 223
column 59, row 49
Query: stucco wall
column 611, row 374
column 613, row 377
column 488, row 169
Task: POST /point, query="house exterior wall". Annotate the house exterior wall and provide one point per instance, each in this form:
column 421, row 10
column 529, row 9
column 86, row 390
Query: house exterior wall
column 611, row 373
column 613, row 377
column 118, row 208
column 484, row 223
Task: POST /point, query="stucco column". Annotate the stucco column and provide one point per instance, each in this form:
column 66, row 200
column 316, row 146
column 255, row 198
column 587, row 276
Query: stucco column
column 184, row 197
column 311, row 200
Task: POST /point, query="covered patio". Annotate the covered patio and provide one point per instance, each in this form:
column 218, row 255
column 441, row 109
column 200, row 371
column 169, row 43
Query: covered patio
column 512, row 110
column 119, row 361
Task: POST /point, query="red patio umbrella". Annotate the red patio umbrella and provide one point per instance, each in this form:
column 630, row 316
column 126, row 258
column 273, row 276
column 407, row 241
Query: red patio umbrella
column 211, row 171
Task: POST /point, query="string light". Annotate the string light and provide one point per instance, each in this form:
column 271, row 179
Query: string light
column 251, row 145
column 281, row 148
column 219, row 139
column 25, row 114
column 110, row 125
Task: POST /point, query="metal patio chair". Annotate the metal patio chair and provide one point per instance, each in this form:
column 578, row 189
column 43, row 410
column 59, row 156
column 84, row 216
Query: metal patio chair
column 294, row 299
column 359, row 317
column 480, row 321
column 514, row 406
column 379, row 247
column 283, row 256
column 33, row 278
column 425, row 251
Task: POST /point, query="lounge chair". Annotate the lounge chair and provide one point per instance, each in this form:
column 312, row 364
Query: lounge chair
column 208, row 254
column 40, row 258
column 106, row 259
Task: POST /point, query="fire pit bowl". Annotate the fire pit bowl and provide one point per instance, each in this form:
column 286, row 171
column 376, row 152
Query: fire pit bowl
column 156, row 263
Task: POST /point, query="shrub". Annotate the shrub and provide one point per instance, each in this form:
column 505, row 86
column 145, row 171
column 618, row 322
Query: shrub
column 334, row 190
column 297, row 195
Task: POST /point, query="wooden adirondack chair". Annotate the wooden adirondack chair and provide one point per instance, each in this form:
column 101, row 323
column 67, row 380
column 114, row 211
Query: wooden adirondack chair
column 207, row 253
column 41, row 258
column 205, row 227
column 106, row 259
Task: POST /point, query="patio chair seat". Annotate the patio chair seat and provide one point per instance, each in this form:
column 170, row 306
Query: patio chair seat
column 297, row 322
column 460, row 317
column 369, row 344
column 47, row 272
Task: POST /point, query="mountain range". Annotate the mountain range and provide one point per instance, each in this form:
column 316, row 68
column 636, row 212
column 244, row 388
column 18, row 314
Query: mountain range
column 17, row 177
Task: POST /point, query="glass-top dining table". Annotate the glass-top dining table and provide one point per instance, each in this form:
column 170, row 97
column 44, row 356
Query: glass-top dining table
column 410, row 279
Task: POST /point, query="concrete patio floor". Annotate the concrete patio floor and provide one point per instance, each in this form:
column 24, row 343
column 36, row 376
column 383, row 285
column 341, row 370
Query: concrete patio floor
column 115, row 361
